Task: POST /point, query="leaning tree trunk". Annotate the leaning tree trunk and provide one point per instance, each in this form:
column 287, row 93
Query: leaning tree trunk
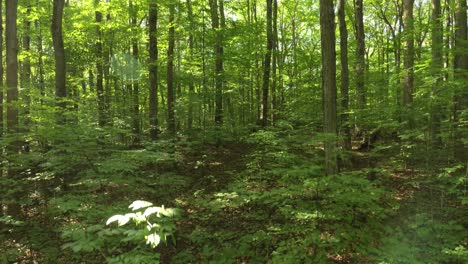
column 327, row 32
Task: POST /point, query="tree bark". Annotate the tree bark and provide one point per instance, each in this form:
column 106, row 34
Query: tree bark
column 59, row 52
column 135, row 76
column 153, row 69
column 360, row 53
column 408, row 74
column 219, row 68
column 344, row 86
column 1, row 75
column 461, row 67
column 327, row 32
column 99, row 69
column 170, row 72
column 437, row 65
column 191, row 58
column 267, row 63
column 12, row 65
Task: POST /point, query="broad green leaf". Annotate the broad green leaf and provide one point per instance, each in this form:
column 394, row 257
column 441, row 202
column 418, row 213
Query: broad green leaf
column 139, row 204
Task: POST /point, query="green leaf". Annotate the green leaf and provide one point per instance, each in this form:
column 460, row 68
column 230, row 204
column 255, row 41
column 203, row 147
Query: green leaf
column 121, row 219
column 139, row 204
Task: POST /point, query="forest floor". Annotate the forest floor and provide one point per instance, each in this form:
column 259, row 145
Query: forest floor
column 247, row 203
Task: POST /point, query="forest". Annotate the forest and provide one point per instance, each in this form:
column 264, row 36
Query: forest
column 234, row 131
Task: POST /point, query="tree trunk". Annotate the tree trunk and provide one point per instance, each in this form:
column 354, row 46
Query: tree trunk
column 360, row 53
column 344, row 87
column 191, row 58
column 218, row 47
column 11, row 6
column 267, row 64
column 135, row 92
column 1, row 75
column 170, row 72
column 153, row 69
column 59, row 52
column 274, row 84
column 408, row 74
column 26, row 72
column 436, row 67
column 461, row 67
column 99, row 70
column 327, row 32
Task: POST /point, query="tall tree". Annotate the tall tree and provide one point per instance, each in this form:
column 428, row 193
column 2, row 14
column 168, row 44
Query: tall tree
column 437, row 65
column 1, row 71
column 219, row 68
column 408, row 74
column 11, row 7
column 360, row 53
column 99, row 67
column 267, row 63
column 171, row 124
column 59, row 52
column 344, row 85
column 135, row 83
column 191, row 58
column 275, row 61
column 461, row 67
column 153, row 68
column 327, row 33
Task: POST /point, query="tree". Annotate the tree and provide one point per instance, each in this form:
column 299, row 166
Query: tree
column 344, row 85
column 170, row 72
column 135, row 76
column 327, row 33
column 99, row 68
column 267, row 63
column 59, row 52
column 408, row 74
column 461, row 67
column 11, row 66
column 1, row 71
column 219, row 68
column 360, row 53
column 437, row 65
column 153, row 69
column 191, row 57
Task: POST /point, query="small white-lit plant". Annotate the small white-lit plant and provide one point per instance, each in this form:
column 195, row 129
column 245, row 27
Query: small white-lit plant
column 157, row 222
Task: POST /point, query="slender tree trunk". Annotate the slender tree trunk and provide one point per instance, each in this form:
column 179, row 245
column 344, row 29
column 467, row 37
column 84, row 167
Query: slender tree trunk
column 267, row 63
column 408, row 74
column 461, row 67
column 135, row 76
column 274, row 102
column 40, row 61
column 344, row 75
column 170, row 72
column 26, row 73
column 99, row 69
column 218, row 47
column 437, row 65
column 360, row 53
column 13, row 148
column 59, row 52
column 153, row 69
column 327, row 33
column 1, row 76
column 191, row 58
